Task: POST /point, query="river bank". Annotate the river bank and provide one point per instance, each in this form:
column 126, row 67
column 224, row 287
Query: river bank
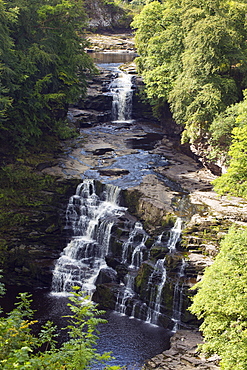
column 183, row 354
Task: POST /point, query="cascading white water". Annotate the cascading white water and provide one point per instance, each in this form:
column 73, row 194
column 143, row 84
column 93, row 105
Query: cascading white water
column 91, row 219
column 125, row 294
column 175, row 235
column 178, row 297
column 155, row 296
column 134, row 248
column 132, row 255
column 159, row 273
column 121, row 91
column 157, row 280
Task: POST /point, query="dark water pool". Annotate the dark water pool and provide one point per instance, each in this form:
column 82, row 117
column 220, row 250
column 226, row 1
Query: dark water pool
column 131, row 341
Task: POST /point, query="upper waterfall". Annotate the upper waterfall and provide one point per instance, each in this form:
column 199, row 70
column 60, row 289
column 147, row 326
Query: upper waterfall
column 121, row 90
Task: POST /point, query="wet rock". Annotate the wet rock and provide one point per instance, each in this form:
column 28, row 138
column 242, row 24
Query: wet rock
column 142, row 278
column 33, row 247
column 112, row 261
column 158, row 252
column 85, row 118
column 106, row 275
column 121, row 272
column 42, row 166
column 105, row 296
column 123, row 41
column 102, row 151
column 113, row 172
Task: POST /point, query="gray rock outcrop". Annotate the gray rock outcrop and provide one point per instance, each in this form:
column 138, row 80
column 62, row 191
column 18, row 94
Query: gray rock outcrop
column 183, row 355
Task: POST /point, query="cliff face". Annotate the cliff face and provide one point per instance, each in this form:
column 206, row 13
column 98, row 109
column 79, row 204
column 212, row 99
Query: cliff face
column 30, row 245
column 106, row 15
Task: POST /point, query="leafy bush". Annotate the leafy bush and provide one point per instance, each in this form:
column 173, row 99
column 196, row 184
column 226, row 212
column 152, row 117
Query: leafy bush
column 221, row 302
column 234, row 181
column 223, row 124
column 20, row 349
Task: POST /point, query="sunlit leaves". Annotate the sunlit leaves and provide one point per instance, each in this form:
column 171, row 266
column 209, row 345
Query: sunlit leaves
column 44, row 65
column 20, row 349
column 234, row 181
column 221, row 302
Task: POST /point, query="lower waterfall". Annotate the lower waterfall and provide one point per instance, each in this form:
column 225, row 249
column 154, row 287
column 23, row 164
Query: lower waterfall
column 109, row 246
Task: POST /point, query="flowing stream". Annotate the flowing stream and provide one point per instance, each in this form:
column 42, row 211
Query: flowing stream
column 102, row 230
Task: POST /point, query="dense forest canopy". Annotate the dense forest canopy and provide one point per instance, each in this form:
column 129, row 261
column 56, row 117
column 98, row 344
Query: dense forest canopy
column 42, row 66
column 192, row 54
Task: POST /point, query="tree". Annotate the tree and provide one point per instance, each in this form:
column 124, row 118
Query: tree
column 234, row 181
column 158, row 38
column 223, row 124
column 49, row 66
column 6, row 45
column 221, row 302
column 193, row 55
column 20, row 349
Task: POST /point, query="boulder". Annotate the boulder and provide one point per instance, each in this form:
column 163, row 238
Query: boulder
column 106, row 275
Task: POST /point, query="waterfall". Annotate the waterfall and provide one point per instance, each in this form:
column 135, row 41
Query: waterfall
column 178, row 297
column 98, row 226
column 132, row 255
column 126, row 299
column 160, row 274
column 125, row 294
column 90, row 217
column 153, row 312
column 175, row 235
column 134, row 245
column 121, row 91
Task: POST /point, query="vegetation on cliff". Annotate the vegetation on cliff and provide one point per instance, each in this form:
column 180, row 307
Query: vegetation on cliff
column 193, row 56
column 31, row 220
column 221, row 302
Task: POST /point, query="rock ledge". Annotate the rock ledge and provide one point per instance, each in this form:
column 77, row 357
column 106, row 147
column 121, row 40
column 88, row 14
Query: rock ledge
column 183, row 354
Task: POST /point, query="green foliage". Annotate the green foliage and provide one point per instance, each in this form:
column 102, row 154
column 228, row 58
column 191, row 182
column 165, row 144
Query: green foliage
column 43, row 65
column 222, row 126
column 221, row 302
column 234, row 181
column 193, row 55
column 21, row 349
column 63, row 130
column 20, row 195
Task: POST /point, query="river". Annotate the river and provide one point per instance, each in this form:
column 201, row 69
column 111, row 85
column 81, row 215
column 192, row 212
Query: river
column 131, row 340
